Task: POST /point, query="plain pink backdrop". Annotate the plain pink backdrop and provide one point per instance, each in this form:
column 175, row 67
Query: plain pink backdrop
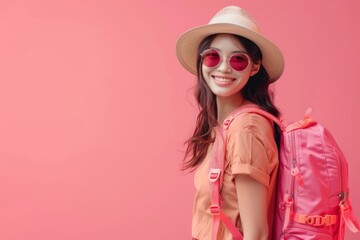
column 95, row 108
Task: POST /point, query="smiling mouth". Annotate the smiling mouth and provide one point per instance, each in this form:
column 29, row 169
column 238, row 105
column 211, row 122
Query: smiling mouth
column 222, row 80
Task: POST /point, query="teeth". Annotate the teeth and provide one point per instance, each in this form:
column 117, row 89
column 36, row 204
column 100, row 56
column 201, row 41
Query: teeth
column 223, row 79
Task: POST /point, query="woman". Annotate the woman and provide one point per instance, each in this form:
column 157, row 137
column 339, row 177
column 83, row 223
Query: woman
column 234, row 65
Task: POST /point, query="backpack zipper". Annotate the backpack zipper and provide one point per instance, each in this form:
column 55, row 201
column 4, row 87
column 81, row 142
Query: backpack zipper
column 342, row 194
column 293, row 163
column 289, row 197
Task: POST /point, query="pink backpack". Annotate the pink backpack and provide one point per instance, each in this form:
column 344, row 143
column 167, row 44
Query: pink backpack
column 312, row 191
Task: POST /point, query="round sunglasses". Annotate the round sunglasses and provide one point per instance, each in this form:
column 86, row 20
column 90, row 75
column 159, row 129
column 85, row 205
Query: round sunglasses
column 237, row 61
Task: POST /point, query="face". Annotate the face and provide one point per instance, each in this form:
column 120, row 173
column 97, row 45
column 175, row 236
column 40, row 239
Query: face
column 227, row 79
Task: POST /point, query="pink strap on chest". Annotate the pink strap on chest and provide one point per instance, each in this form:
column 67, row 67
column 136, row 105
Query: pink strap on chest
column 216, row 175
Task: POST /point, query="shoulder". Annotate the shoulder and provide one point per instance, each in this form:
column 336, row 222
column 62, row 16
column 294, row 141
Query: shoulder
column 251, row 147
column 252, row 122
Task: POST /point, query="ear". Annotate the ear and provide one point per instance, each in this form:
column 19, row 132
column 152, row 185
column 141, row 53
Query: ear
column 255, row 68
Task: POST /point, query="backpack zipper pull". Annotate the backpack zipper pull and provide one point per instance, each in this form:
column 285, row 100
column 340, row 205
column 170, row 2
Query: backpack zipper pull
column 296, row 173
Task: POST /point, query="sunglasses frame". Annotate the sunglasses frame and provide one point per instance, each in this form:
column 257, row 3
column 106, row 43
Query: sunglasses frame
column 222, row 58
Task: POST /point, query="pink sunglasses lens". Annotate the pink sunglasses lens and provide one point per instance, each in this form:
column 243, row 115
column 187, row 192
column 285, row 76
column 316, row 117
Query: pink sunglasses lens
column 211, row 59
column 239, row 62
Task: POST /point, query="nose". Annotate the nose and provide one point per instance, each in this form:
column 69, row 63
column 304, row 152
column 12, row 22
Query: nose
column 224, row 66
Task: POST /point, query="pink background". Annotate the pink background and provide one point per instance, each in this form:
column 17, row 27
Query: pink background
column 95, row 108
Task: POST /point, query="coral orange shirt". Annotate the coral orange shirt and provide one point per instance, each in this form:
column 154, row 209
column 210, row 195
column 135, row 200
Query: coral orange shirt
column 251, row 149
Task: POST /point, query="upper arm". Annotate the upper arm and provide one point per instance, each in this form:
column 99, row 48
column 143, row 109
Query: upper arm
column 252, row 156
column 252, row 203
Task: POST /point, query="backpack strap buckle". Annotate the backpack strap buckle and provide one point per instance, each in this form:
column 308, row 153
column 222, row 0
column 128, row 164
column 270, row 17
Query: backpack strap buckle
column 214, row 174
column 315, row 220
column 215, row 209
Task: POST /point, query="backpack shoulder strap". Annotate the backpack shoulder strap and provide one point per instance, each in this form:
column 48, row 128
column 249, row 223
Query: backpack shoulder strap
column 252, row 108
column 347, row 217
column 216, row 176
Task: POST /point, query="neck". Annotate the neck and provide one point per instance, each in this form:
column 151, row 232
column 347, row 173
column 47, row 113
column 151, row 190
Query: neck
column 225, row 105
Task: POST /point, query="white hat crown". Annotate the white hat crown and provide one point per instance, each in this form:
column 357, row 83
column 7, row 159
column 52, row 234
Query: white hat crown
column 237, row 16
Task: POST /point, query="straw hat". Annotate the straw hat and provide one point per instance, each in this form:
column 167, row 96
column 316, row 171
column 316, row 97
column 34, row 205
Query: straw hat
column 232, row 20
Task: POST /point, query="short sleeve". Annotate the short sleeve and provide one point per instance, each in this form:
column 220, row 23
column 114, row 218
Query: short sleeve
column 247, row 153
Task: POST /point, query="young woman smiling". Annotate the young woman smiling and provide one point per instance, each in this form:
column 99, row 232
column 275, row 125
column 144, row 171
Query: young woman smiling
column 234, row 64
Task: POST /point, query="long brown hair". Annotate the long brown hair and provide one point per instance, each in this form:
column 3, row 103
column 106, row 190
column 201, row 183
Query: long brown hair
column 256, row 90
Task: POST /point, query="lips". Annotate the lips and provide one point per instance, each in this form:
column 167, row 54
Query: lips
column 222, row 80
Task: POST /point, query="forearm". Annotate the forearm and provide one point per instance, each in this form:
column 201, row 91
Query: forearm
column 252, row 202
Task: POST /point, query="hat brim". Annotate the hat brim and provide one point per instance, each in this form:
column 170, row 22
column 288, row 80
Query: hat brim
column 187, row 47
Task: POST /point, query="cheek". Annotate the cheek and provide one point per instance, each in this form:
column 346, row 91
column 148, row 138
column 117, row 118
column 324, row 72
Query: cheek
column 204, row 70
column 205, row 73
